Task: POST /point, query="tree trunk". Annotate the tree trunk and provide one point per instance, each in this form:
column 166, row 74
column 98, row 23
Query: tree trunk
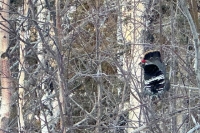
column 23, row 36
column 99, row 70
column 61, row 83
column 47, row 113
column 131, row 34
column 44, row 100
column 6, row 82
column 194, row 30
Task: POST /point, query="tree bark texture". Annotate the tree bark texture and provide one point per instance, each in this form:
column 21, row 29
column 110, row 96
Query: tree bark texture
column 6, row 82
column 23, row 35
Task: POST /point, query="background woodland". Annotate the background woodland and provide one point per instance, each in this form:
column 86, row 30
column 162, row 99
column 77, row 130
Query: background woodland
column 72, row 66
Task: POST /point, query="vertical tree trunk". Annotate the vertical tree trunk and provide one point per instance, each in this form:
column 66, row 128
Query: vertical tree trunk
column 99, row 70
column 43, row 113
column 23, row 35
column 193, row 27
column 59, row 56
column 65, row 122
column 131, row 32
column 47, row 119
column 6, row 82
column 174, row 67
column 99, row 100
column 193, row 20
column 50, row 112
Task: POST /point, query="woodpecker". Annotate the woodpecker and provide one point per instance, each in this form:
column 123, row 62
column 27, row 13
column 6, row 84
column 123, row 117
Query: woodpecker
column 155, row 79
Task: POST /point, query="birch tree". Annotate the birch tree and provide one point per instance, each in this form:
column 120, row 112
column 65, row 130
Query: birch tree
column 129, row 34
column 134, row 59
column 45, row 99
column 83, row 74
column 23, row 35
column 49, row 113
column 6, row 80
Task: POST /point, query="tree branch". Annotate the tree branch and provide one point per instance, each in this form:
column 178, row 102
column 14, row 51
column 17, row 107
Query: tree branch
column 195, row 37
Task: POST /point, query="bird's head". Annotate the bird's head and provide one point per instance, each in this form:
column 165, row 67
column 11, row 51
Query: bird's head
column 143, row 62
column 146, row 63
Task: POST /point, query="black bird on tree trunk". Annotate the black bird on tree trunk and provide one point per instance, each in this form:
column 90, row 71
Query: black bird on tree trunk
column 155, row 79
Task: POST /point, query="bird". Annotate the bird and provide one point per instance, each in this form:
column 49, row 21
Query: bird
column 156, row 82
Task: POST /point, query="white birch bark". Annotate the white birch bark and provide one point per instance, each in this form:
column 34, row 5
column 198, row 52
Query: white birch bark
column 6, row 83
column 41, row 19
column 131, row 35
column 23, row 35
column 49, row 114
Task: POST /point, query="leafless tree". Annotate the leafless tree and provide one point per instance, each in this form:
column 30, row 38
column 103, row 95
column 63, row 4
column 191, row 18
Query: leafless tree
column 75, row 65
column 6, row 80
